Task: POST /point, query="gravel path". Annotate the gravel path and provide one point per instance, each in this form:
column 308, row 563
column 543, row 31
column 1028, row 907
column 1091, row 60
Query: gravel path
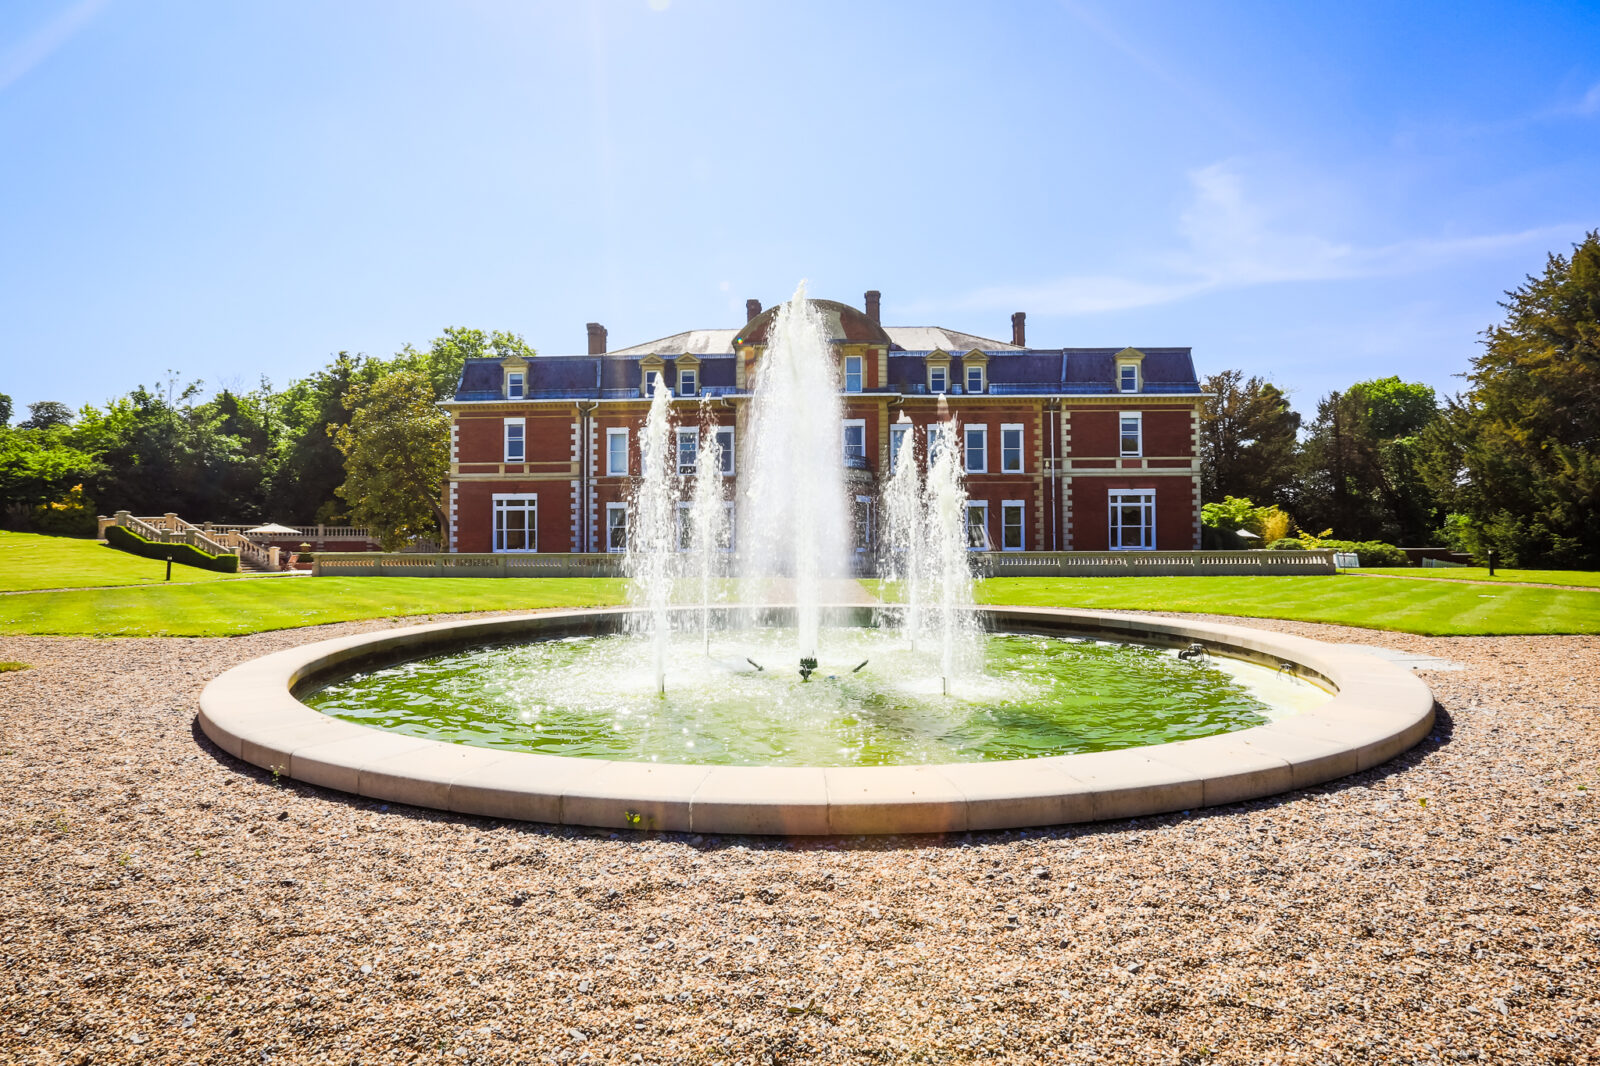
column 162, row 902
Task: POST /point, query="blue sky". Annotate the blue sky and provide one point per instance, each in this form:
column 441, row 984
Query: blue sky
column 1319, row 193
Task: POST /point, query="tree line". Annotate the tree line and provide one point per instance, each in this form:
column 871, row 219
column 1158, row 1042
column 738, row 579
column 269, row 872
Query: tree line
column 1512, row 463
column 321, row 449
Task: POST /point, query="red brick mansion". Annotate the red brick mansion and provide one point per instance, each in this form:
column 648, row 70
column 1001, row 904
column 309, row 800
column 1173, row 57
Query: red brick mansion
column 1066, row 449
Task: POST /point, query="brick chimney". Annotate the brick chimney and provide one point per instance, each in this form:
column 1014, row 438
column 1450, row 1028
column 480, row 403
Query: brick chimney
column 873, row 296
column 597, row 339
column 752, row 308
column 1019, row 330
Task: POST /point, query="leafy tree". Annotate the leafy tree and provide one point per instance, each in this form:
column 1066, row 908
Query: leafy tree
column 37, row 469
column 46, row 414
column 1360, row 471
column 441, row 363
column 5, row 410
column 160, row 451
column 307, row 467
column 1247, row 439
column 397, row 455
column 1518, row 456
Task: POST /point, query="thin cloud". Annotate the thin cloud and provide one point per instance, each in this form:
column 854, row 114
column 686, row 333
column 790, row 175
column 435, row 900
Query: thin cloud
column 1590, row 104
column 1231, row 241
column 16, row 63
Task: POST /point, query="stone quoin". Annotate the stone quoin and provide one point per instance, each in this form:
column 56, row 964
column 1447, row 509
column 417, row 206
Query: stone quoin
column 1066, row 449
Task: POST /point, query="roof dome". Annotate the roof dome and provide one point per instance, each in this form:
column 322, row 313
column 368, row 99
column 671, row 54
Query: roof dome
column 846, row 325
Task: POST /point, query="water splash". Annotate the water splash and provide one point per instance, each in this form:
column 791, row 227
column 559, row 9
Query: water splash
column 793, row 519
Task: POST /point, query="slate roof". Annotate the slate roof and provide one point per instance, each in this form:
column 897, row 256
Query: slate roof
column 1011, row 370
column 905, row 338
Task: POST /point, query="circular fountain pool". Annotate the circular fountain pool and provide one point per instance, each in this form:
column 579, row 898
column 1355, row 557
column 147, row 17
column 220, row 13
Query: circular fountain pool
column 1377, row 711
column 875, row 699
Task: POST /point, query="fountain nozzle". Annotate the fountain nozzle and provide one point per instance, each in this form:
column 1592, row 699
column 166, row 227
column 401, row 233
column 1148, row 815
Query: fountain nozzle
column 807, row 666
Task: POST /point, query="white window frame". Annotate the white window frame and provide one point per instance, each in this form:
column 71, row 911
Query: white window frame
column 1021, row 508
column 1022, row 438
column 1137, row 417
column 1145, row 500
column 986, row 544
column 688, row 382
column 844, row 437
column 521, row 425
column 860, row 372
column 1138, row 376
column 728, row 450
column 614, row 508
column 500, row 508
column 611, row 467
column 516, row 385
column 934, row 435
column 648, row 388
column 969, row 371
column 899, row 434
column 981, row 431
column 692, row 435
column 864, row 502
column 943, row 371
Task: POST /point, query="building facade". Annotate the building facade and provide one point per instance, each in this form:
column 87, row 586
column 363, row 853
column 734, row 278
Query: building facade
column 1066, row 449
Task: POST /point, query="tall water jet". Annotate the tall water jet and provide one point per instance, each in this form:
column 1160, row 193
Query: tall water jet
column 653, row 538
column 708, row 520
column 903, row 561
column 794, row 522
column 945, row 503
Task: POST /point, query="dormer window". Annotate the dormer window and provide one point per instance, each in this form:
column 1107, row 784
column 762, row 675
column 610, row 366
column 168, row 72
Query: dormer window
column 514, row 389
column 687, row 385
column 974, row 379
column 651, row 369
column 938, row 379
column 1130, row 375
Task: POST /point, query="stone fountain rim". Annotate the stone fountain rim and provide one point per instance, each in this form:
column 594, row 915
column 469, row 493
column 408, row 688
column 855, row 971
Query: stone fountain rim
column 1378, row 711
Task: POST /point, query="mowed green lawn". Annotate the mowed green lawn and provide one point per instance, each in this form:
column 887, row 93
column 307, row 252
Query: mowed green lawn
column 32, row 561
column 1586, row 578
column 1432, row 608
column 220, row 609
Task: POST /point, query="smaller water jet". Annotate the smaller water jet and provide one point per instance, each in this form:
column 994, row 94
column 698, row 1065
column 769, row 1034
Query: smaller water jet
column 708, row 519
column 653, row 538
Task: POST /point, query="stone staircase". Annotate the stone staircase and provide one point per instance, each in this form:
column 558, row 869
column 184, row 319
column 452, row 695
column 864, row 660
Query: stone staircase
column 170, row 529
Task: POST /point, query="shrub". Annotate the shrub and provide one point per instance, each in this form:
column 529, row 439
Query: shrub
column 127, row 540
column 1372, row 552
column 1215, row 539
column 1287, row 544
column 1235, row 513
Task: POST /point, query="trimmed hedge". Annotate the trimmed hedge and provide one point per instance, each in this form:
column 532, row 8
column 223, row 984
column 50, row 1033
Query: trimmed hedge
column 127, row 540
column 1286, row 544
column 1372, row 552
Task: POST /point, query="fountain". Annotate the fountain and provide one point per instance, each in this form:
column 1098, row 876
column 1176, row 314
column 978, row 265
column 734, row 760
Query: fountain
column 1000, row 716
column 793, row 521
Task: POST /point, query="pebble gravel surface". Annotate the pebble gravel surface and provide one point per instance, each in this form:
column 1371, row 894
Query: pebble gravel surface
column 163, row 902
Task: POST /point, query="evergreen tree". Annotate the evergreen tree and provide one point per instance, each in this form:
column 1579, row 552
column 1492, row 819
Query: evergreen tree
column 1518, row 456
column 1247, row 439
column 1360, row 472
